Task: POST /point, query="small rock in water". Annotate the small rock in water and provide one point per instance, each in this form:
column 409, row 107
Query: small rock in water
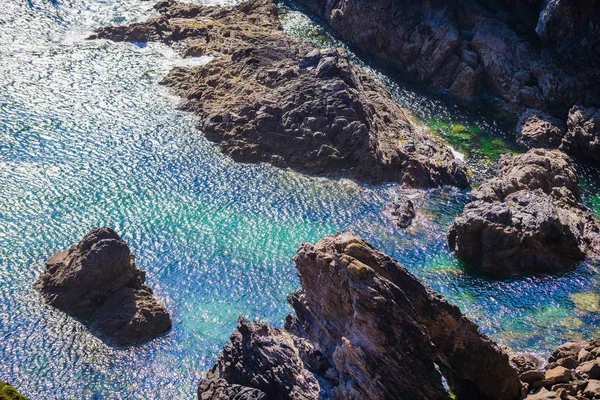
column 97, row 281
column 404, row 212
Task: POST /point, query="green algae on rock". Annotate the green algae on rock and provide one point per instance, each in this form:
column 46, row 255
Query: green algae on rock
column 8, row 392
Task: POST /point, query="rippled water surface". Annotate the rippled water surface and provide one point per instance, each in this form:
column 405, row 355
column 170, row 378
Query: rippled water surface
column 89, row 138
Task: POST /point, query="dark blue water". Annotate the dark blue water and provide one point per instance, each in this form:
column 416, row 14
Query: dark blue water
column 89, row 138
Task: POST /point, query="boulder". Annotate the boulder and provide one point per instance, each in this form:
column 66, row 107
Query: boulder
column 364, row 328
column 527, row 218
column 98, row 282
column 270, row 97
column 8, row 392
column 538, row 129
column 560, row 382
column 583, row 134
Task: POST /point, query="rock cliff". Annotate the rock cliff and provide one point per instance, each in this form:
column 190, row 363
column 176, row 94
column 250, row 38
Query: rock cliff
column 365, row 328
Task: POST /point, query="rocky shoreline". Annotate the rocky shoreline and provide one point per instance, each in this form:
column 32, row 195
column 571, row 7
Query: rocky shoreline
column 363, row 326
column 270, row 97
column 531, row 54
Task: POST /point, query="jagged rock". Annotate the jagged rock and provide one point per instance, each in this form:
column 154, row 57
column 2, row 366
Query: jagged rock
column 527, row 218
column 270, row 97
column 583, row 134
column 97, row 281
column 577, row 382
column 471, row 45
column 403, row 212
column 261, row 362
column 538, row 129
column 379, row 333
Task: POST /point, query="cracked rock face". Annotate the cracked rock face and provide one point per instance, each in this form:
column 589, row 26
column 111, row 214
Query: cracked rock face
column 365, row 328
column 528, row 218
column 270, row 97
column 471, row 45
column 98, row 282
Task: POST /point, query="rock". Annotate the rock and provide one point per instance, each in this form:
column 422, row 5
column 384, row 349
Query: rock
column 532, row 376
column 8, row 392
column 527, row 218
column 592, row 389
column 475, row 46
column 271, row 97
column 583, row 134
column 379, row 333
column 404, row 212
column 558, row 375
column 538, row 129
column 589, row 369
column 564, row 382
column 97, row 281
column 261, row 362
column 524, row 361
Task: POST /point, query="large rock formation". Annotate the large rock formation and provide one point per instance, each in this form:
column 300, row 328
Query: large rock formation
column 270, row 97
column 471, row 45
column 527, row 218
column 572, row 373
column 365, row 328
column 97, row 281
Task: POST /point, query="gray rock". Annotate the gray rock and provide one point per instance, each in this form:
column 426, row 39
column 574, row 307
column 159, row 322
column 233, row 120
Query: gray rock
column 538, row 129
column 403, row 212
column 583, row 134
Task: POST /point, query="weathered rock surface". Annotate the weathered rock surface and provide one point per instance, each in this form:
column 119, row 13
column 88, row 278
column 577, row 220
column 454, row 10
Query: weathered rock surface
column 403, row 212
column 470, row 45
column 527, row 218
column 270, row 97
column 97, row 281
column 365, row 328
column 539, row 130
column 583, row 134
column 572, row 373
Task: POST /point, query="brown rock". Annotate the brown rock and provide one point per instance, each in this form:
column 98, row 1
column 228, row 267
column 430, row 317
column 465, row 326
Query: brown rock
column 589, row 369
column 592, row 389
column 97, row 281
column 532, row 376
column 558, row 375
column 271, row 97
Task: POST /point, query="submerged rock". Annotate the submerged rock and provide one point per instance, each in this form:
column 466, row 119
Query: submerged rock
column 271, row 97
column 97, row 281
column 469, row 46
column 365, row 328
column 528, row 218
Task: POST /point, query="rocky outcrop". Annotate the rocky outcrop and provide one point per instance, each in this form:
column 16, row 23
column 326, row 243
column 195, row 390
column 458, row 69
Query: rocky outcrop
column 527, row 218
column 98, row 282
column 270, row 97
column 8, row 392
column 470, row 46
column 572, row 373
column 365, row 328
column 403, row 212
column 583, row 134
column 540, row 130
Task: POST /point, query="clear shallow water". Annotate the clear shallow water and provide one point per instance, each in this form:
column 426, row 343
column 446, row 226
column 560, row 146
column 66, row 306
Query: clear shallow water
column 88, row 138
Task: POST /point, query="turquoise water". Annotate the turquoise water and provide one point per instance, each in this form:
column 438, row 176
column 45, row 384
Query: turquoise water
column 89, row 138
